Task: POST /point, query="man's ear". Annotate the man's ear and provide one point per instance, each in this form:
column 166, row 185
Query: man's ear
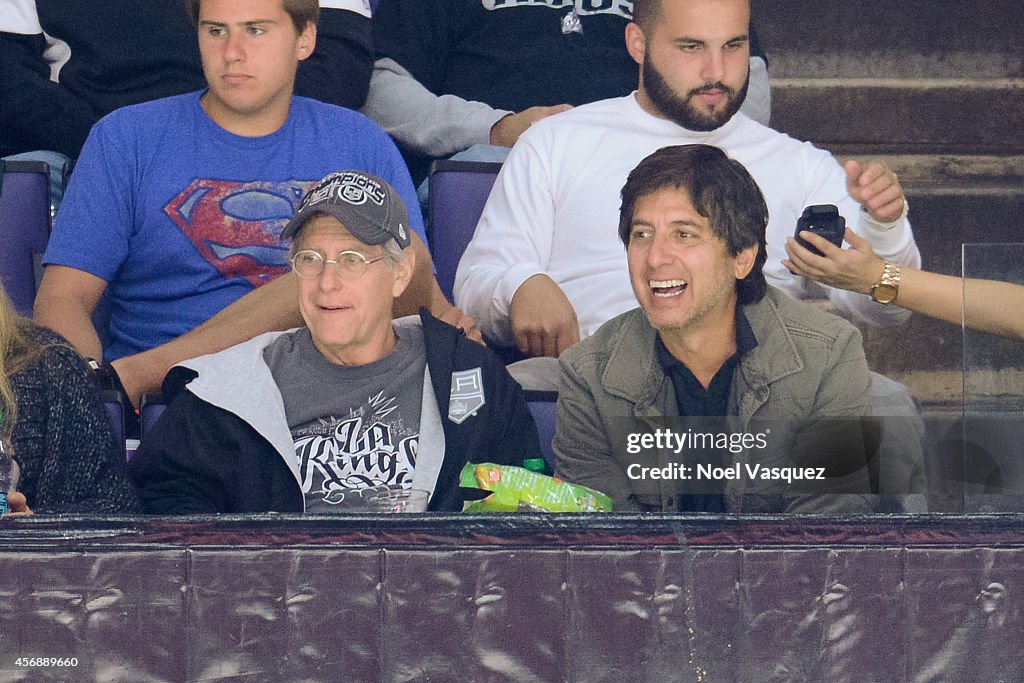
column 636, row 42
column 307, row 42
column 403, row 272
column 743, row 262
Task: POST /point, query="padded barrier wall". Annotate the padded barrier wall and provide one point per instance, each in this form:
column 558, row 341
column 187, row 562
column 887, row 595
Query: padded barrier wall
column 514, row 598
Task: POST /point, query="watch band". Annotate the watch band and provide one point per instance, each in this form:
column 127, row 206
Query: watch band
column 888, row 286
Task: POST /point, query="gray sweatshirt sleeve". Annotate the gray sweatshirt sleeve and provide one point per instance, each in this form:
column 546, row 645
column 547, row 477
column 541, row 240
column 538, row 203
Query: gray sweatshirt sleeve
column 431, row 125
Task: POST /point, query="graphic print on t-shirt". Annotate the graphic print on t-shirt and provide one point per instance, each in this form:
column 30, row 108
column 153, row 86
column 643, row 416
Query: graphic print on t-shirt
column 622, row 8
column 236, row 226
column 370, row 448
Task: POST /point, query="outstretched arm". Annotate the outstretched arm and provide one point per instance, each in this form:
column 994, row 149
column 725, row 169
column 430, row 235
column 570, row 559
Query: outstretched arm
column 991, row 305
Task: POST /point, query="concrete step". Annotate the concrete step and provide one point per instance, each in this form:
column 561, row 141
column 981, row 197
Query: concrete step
column 917, row 76
column 945, row 219
column 906, row 39
column 899, row 116
column 935, row 174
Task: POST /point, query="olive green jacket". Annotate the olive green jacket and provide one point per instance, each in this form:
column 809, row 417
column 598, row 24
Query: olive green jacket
column 807, row 368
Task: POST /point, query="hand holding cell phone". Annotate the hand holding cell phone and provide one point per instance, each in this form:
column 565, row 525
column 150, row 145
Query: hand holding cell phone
column 824, row 220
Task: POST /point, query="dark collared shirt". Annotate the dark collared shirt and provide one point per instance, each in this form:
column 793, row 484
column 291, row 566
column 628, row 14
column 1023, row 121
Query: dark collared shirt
column 693, row 400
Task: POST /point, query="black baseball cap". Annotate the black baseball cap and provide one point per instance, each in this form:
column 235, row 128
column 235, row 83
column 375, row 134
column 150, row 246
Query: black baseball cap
column 366, row 205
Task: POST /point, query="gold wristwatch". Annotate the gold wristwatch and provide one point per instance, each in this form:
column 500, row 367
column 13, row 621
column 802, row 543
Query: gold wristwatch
column 885, row 290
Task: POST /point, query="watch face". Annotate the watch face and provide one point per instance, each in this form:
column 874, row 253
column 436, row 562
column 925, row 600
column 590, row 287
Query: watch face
column 883, row 293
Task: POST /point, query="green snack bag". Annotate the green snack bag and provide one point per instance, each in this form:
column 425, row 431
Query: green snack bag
column 516, row 488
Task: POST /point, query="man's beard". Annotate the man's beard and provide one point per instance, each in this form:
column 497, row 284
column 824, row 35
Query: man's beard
column 682, row 110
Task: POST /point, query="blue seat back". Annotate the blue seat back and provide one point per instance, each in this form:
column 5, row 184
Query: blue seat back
column 153, row 407
column 24, row 228
column 458, row 191
column 544, row 411
column 116, row 404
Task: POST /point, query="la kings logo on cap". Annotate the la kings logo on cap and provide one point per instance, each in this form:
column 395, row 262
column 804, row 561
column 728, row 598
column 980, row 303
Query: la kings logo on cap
column 357, row 188
column 353, row 188
column 467, row 395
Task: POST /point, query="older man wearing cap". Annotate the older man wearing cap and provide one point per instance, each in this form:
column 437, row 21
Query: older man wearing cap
column 310, row 419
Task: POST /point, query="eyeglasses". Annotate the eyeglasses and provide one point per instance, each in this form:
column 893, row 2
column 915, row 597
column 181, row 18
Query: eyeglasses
column 349, row 264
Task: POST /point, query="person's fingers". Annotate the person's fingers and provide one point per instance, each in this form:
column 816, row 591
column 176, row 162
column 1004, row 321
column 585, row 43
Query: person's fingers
column 550, row 344
column 797, row 251
column 17, row 505
column 853, row 171
column 561, row 342
column 790, row 247
column 822, row 244
column 530, row 347
column 455, row 317
column 522, row 342
column 476, row 336
column 856, row 241
column 887, row 185
column 535, row 347
column 876, row 187
column 886, row 206
column 805, row 261
column 873, row 172
column 466, row 324
column 569, row 337
column 874, row 191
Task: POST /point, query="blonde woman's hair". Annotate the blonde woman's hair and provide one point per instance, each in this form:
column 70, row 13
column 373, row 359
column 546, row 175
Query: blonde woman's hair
column 18, row 349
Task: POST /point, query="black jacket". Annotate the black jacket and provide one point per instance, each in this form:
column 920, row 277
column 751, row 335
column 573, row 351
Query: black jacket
column 200, row 458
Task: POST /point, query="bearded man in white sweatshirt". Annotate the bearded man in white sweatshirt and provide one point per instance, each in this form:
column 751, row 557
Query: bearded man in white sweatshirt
column 545, row 267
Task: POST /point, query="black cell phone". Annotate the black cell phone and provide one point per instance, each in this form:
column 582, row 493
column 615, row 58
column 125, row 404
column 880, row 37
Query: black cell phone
column 824, row 220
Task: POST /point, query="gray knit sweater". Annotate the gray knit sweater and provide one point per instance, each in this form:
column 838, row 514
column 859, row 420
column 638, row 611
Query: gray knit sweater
column 63, row 439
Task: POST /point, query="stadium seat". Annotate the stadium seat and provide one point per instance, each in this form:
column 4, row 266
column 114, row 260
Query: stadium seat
column 116, row 404
column 458, row 191
column 24, row 228
column 153, row 407
column 542, row 405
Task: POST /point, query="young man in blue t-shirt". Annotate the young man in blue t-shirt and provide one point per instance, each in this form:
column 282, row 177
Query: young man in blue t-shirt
column 176, row 206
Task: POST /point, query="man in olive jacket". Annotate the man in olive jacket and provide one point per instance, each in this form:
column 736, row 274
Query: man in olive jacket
column 787, row 381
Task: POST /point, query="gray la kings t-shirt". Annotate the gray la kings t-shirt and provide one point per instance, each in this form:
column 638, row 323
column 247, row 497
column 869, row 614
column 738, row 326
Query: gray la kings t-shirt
column 354, row 428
